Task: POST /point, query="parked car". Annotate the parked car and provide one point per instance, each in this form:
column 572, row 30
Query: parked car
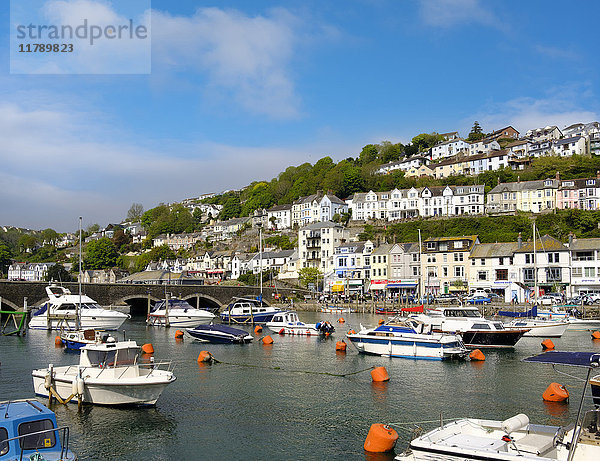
column 547, row 300
column 447, row 298
column 478, row 299
column 581, row 299
column 494, row 297
column 594, row 297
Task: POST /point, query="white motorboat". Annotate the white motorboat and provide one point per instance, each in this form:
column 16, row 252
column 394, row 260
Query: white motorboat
column 515, row 438
column 178, row 313
column 61, row 310
column 76, row 339
column 288, row 323
column 246, row 310
column 539, row 327
column 475, row 330
column 107, row 374
column 336, row 310
column 407, row 338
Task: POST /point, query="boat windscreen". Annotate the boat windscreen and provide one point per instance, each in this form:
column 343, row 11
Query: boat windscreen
column 576, row 359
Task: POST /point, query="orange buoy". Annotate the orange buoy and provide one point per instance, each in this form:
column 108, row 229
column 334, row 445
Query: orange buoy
column 556, row 393
column 547, row 344
column 351, row 332
column 477, row 355
column 380, row 374
column 58, row 341
column 267, row 340
column 596, row 335
column 381, row 321
column 205, row 356
column 340, row 346
column 257, row 329
column 178, row 334
column 148, row 349
column 381, row 438
column 341, row 320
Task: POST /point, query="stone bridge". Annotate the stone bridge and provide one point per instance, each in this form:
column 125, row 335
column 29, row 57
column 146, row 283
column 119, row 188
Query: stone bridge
column 13, row 295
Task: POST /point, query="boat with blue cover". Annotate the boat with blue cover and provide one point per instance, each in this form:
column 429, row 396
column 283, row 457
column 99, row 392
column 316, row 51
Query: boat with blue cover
column 248, row 310
column 28, row 430
column 408, row 338
column 178, row 313
column 220, row 334
column 77, row 339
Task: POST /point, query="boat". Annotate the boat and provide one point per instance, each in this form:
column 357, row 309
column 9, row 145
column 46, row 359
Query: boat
column 595, row 385
column 288, row 323
column 76, row 339
column 178, row 313
column 63, row 311
column 476, row 331
column 220, row 334
column 247, row 310
column 108, row 373
column 516, row 438
column 407, row 338
column 539, row 328
column 28, row 430
column 569, row 314
column 336, row 310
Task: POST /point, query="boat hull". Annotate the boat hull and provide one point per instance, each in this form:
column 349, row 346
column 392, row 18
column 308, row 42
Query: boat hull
column 498, row 338
column 219, row 335
column 540, row 329
column 179, row 321
column 104, row 322
column 262, row 317
column 413, row 348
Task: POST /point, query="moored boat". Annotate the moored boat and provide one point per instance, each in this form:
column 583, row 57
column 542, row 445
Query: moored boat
column 178, row 313
column 76, row 339
column 247, row 310
column 336, row 310
column 288, row 323
column 220, row 334
column 28, row 430
column 407, row 338
column 539, row 328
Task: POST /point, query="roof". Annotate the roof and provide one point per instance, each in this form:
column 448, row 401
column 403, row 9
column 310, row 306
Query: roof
column 321, row 225
column 523, row 185
column 280, row 207
column 546, row 243
column 489, row 250
column 451, row 239
column 383, row 249
column 567, row 140
column 585, row 244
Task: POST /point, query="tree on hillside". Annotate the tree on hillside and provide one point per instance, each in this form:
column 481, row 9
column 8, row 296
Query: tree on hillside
column 425, row 141
column 161, row 253
column 5, row 257
column 28, row 243
column 58, row 273
column 368, row 154
column 476, row 133
column 49, row 236
column 120, row 238
column 135, row 212
column 100, row 254
column 310, row 275
column 231, row 209
column 389, row 152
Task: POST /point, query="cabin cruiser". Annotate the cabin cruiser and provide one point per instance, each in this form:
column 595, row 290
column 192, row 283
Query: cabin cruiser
column 407, row 338
column 76, row 339
column 220, row 334
column 28, row 430
column 178, row 313
column 516, row 438
column 247, row 310
column 539, row 327
column 62, row 310
column 108, row 373
column 476, row 331
column 288, row 323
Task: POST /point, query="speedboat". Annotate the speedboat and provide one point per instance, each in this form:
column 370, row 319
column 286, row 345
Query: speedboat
column 288, row 323
column 569, row 314
column 516, row 438
column 179, row 314
column 61, row 310
column 476, row 331
column 221, row 334
column 76, row 339
column 539, row 328
column 28, row 430
column 246, row 310
column 108, row 373
column 407, row 338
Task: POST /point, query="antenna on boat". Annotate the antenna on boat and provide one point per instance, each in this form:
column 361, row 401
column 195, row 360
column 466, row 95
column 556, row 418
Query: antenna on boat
column 78, row 309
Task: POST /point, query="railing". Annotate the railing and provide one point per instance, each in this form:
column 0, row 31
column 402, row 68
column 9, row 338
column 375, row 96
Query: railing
column 64, row 444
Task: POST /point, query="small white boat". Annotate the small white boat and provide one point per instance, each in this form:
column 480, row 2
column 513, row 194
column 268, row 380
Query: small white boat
column 407, row 338
column 288, row 323
column 107, row 374
column 515, row 439
column 63, row 308
column 246, row 310
column 76, row 339
column 179, row 314
column 336, row 310
column 539, row 328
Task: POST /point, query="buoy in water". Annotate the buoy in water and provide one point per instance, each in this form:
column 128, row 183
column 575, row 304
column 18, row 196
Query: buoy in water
column 547, row 344
column 267, row 340
column 204, row 356
column 379, row 375
column 341, row 320
column 596, row 335
column 477, row 355
column 282, row 331
column 380, row 439
column 179, row 334
column 556, row 393
column 351, row 332
column 340, row 346
column 381, row 321
column 257, row 329
column 148, row 349
column 58, row 341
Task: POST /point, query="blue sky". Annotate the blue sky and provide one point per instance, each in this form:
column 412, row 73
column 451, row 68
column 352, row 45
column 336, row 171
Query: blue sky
column 240, row 90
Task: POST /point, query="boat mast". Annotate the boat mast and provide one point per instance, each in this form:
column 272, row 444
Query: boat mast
column 535, row 288
column 78, row 308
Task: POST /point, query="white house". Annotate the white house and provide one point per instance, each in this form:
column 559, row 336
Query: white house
column 280, row 217
column 449, row 148
column 317, row 208
column 547, row 133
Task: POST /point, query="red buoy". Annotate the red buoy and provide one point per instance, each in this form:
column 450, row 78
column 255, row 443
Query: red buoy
column 379, row 375
column 556, row 393
column 380, row 439
column 148, row 349
column 547, row 344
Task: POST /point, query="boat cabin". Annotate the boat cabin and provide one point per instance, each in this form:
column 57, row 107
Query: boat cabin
column 286, row 317
column 109, row 354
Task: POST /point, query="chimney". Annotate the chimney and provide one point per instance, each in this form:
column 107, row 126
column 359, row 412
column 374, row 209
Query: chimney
column 498, row 180
column 519, row 241
column 558, row 176
column 598, row 174
column 518, row 178
column 570, row 238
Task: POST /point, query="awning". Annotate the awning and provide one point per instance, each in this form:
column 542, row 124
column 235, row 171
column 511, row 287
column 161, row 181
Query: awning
column 402, row 285
column 377, row 286
column 337, row 288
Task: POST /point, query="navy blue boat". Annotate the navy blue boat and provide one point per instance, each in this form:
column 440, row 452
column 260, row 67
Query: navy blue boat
column 221, row 334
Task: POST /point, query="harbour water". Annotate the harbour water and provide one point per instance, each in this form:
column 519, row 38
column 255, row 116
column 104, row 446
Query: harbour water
column 278, row 402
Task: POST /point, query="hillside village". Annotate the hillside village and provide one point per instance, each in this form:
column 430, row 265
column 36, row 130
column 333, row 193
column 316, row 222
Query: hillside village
column 327, row 247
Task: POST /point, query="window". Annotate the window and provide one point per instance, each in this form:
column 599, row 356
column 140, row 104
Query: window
column 415, row 270
column 553, row 257
column 589, row 271
column 3, row 445
column 528, row 258
column 458, row 257
column 528, row 275
column 553, row 274
column 577, row 272
column 43, row 440
column 445, row 271
column 445, row 257
column 431, row 245
column 482, row 262
column 459, row 271
column 430, row 258
column 501, row 274
column 431, row 271
column 458, row 244
column 482, row 275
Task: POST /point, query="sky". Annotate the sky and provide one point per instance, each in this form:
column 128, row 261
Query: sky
column 234, row 91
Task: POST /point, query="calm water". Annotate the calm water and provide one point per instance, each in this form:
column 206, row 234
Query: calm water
column 226, row 411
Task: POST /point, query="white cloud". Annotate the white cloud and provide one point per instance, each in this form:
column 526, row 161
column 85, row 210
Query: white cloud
column 450, row 13
column 245, row 57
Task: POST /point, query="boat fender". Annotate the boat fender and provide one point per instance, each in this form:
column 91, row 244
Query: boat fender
column 318, row 326
column 74, row 387
column 380, row 439
column 282, row 331
column 516, row 423
column 80, row 386
column 58, row 341
column 47, row 381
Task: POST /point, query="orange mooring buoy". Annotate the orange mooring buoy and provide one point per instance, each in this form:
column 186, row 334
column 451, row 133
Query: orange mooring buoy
column 179, row 334
column 556, row 393
column 381, row 321
column 148, row 349
column 204, row 356
column 351, row 332
column 379, row 375
column 267, row 340
column 257, row 329
column 547, row 344
column 477, row 355
column 340, row 346
column 58, row 341
column 341, row 320
column 596, row 335
column 381, row 438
